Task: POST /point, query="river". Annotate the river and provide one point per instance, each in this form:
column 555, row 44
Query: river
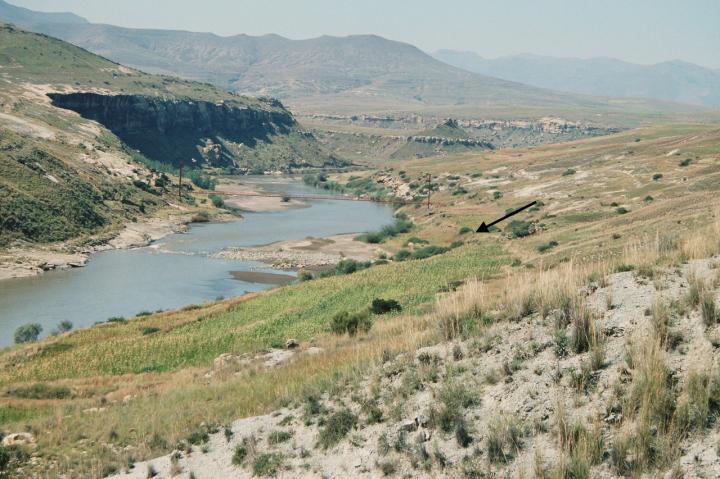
column 176, row 270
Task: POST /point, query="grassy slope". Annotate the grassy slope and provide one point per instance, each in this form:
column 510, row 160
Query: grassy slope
column 39, row 59
column 98, row 364
column 193, row 338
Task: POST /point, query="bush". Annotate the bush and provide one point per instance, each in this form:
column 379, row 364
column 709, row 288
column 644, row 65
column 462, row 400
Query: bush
column 276, row 437
column 518, row 229
column 382, row 306
column 402, row 255
column 267, row 464
column 504, row 440
column 41, row 391
column 285, row 198
column 336, row 427
column 685, row 162
column 547, row 246
column 657, row 176
column 648, row 199
column 497, row 195
column 304, row 275
column 64, row 326
column 239, row 454
column 28, row 333
column 622, row 210
column 344, row 322
column 116, row 319
column 415, row 240
column 569, row 172
column 465, row 230
column 150, row 330
column 401, row 225
column 428, row 251
column 202, row 180
column 217, row 201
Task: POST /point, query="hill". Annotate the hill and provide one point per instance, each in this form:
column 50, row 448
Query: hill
column 165, row 118
column 673, row 81
column 510, row 349
column 359, row 73
column 65, row 176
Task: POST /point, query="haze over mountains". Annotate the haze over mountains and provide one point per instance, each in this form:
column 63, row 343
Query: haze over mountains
column 675, row 81
column 358, row 74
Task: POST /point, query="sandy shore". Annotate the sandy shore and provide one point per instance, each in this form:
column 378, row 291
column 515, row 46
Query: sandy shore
column 306, row 253
column 255, row 204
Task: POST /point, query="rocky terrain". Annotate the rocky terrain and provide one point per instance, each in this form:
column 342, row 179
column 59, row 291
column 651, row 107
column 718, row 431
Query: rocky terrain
column 620, row 379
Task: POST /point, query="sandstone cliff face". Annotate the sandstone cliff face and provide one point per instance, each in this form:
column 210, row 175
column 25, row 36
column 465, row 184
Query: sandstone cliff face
column 175, row 130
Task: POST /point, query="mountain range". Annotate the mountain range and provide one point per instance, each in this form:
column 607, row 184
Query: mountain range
column 675, row 81
column 353, row 74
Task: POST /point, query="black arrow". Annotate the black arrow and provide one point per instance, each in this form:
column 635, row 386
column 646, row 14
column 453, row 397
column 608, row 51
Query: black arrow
column 485, row 228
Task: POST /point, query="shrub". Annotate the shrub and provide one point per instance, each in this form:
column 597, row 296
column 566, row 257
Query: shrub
column 648, row 199
column 504, row 439
column 267, row 464
column 202, row 180
column 304, row 275
column 497, row 195
column 401, row 225
column 415, row 240
column 708, row 309
column 427, row 252
column 150, row 330
column 11, row 456
column 28, row 333
column 285, row 198
column 569, row 172
column 336, row 427
column 621, row 210
column 657, row 176
column 116, row 319
column 519, row 229
column 402, row 255
column 64, row 326
column 201, row 217
column 547, row 246
column 217, row 201
column 344, row 322
column 685, row 162
column 143, row 313
column 41, row 391
column 276, row 437
column 464, row 230
column 382, row 306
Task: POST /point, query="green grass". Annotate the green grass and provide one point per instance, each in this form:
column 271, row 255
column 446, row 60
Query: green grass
column 299, row 311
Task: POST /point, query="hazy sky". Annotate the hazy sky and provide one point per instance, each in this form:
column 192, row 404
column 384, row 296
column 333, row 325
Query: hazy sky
column 640, row 31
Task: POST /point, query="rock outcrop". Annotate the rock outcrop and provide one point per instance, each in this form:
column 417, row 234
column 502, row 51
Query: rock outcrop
column 176, row 129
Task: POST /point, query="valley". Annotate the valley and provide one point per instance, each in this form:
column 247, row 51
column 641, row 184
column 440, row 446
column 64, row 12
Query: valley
column 269, row 265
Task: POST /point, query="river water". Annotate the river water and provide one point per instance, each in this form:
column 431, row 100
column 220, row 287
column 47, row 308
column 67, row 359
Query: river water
column 175, row 271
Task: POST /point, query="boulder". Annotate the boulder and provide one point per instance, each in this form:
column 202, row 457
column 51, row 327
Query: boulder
column 19, row 439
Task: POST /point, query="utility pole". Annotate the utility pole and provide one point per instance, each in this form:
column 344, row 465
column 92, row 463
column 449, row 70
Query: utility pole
column 428, row 191
column 180, row 182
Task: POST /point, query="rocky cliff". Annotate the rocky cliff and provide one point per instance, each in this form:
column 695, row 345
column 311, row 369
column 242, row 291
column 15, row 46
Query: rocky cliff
column 223, row 133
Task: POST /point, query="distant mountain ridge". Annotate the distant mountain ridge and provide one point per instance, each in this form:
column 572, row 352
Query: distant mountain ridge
column 357, row 74
column 675, row 81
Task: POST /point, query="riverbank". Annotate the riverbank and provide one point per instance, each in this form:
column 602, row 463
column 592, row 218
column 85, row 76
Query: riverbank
column 249, row 198
column 22, row 262
column 306, row 253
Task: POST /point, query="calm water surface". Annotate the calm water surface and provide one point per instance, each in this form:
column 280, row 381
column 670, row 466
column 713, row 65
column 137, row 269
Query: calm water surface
column 176, row 270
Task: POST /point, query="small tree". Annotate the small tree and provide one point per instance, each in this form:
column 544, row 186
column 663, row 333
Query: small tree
column 28, row 333
column 65, row 326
